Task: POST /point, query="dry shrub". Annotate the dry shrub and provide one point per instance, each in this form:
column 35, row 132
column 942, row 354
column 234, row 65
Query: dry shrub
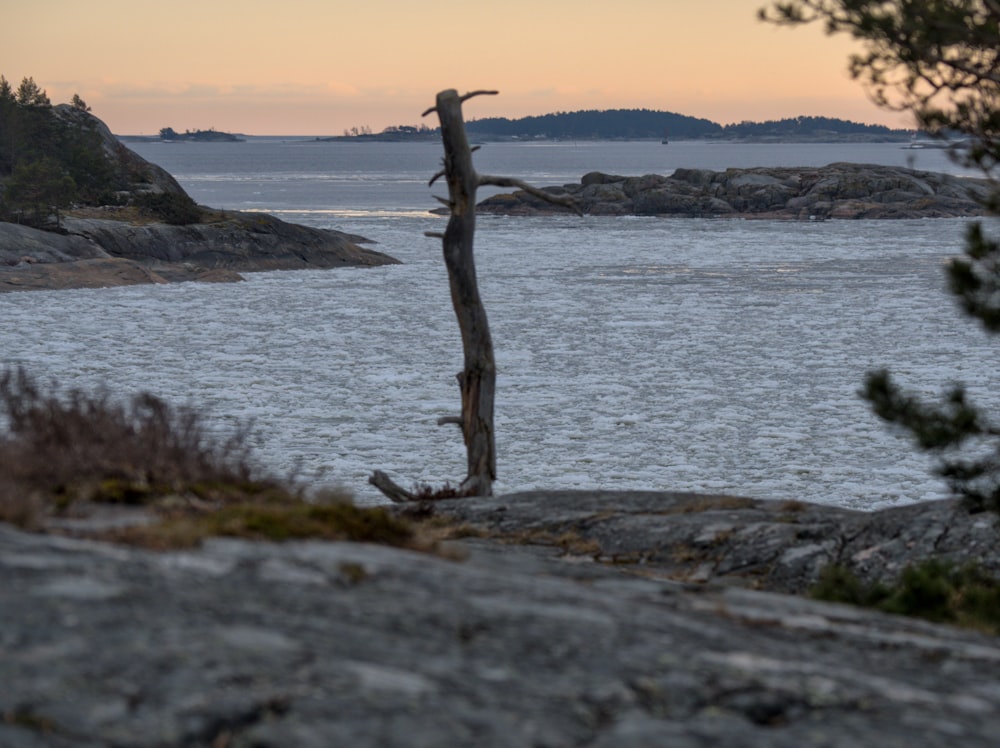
column 936, row 589
column 78, row 446
column 17, row 506
column 61, row 450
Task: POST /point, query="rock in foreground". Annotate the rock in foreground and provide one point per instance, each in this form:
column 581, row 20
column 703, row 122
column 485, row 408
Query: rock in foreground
column 315, row 644
column 839, row 190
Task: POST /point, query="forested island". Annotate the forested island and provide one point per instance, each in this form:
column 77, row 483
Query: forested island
column 200, row 136
column 646, row 124
column 169, row 135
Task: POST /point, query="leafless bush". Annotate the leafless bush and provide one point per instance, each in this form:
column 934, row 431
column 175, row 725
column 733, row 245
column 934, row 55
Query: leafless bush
column 60, row 449
column 78, row 446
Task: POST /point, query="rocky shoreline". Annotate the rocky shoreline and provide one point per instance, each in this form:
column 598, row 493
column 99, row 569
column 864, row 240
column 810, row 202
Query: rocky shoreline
column 98, row 252
column 841, row 190
column 555, row 619
column 95, row 247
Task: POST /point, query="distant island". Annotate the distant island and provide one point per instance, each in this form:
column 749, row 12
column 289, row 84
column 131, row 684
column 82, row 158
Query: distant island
column 169, row 135
column 394, row 133
column 643, row 124
column 607, row 124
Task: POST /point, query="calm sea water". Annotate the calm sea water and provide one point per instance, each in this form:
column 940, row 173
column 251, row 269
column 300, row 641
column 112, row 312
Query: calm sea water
column 687, row 354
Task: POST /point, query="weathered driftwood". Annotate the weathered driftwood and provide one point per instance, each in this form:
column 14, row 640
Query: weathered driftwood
column 477, row 380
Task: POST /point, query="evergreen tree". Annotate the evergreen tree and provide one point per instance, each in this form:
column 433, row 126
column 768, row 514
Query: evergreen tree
column 8, row 105
column 939, row 60
column 38, row 189
column 58, row 147
column 29, row 94
column 6, row 92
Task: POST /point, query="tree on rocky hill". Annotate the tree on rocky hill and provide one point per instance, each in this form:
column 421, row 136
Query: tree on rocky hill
column 30, row 93
column 940, row 61
column 38, row 189
column 37, row 140
column 77, row 103
column 6, row 92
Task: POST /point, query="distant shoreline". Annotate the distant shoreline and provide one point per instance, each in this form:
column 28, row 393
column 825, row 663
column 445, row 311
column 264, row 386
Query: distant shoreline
column 196, row 136
column 753, row 140
column 612, row 125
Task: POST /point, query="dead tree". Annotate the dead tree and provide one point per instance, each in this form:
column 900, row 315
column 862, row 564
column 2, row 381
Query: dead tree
column 477, row 380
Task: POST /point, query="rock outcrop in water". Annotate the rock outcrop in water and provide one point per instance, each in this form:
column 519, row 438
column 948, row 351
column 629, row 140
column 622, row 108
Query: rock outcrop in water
column 98, row 252
column 839, row 190
column 114, row 246
column 523, row 640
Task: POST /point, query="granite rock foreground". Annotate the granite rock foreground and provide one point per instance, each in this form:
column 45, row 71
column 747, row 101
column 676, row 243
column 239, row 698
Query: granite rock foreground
column 840, row 190
column 322, row 644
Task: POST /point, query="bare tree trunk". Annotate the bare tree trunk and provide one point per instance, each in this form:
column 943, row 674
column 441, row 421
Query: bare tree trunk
column 477, row 380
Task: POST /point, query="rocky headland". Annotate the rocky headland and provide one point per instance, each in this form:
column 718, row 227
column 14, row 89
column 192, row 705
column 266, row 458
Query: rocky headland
column 100, row 252
column 127, row 243
column 840, row 190
column 598, row 619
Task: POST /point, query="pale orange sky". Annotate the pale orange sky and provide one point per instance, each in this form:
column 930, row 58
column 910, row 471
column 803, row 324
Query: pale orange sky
column 317, row 67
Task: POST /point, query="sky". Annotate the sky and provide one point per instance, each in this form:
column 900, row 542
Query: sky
column 320, row 67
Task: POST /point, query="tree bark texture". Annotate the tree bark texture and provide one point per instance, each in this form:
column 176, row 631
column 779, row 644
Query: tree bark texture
column 478, row 378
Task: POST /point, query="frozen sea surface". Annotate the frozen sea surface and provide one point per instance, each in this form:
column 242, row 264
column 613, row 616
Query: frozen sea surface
column 633, row 353
column 640, row 353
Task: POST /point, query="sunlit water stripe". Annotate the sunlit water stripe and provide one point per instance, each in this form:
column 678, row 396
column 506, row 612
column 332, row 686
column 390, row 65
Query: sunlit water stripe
column 314, row 214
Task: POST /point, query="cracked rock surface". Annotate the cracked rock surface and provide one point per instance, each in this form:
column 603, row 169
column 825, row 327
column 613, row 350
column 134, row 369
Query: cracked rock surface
column 780, row 546
column 321, row 644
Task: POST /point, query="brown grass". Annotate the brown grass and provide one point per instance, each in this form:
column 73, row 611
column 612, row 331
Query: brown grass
column 696, row 503
column 793, row 505
column 135, row 215
column 61, row 452
column 276, row 522
column 124, row 213
column 570, row 542
column 75, row 446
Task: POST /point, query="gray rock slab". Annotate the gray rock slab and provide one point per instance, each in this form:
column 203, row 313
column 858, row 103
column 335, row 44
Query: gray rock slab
column 320, row 644
column 775, row 545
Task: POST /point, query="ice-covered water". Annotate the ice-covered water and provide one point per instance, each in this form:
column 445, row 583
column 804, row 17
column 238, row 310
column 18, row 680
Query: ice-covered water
column 708, row 355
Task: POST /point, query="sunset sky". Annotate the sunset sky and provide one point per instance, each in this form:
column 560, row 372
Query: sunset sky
column 318, row 67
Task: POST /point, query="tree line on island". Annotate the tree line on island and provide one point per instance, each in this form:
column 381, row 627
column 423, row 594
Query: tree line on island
column 641, row 124
column 646, row 123
column 210, row 135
